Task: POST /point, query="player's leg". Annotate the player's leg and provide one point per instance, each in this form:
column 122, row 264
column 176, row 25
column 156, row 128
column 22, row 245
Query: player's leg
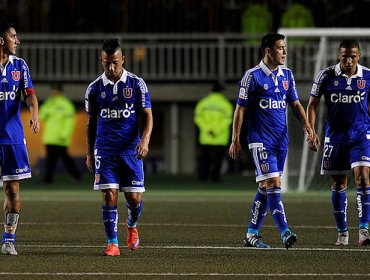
column 13, row 169
column 132, row 184
column 339, row 201
column 335, row 162
column 361, row 175
column 274, row 200
column 12, row 207
column 107, row 181
column 259, row 211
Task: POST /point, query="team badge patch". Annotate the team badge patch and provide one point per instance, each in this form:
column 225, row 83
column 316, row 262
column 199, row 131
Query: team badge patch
column 361, row 84
column 336, row 83
column 265, row 87
column 327, row 164
column 103, row 95
column 265, row 167
column 97, row 178
column 285, row 84
column 242, row 94
column 16, row 75
column 127, row 92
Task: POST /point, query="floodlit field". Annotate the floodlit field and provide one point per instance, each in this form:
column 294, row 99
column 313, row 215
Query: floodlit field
column 188, row 231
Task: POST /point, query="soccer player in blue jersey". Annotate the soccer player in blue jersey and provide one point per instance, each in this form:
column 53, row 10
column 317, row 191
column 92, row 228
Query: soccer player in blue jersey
column 264, row 92
column 15, row 84
column 118, row 104
column 345, row 88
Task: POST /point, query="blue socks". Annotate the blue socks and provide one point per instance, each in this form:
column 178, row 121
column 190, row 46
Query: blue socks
column 363, row 207
column 259, row 210
column 277, row 209
column 133, row 213
column 339, row 200
column 110, row 220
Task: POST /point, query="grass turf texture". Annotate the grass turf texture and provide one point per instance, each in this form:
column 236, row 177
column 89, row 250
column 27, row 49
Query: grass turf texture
column 188, row 230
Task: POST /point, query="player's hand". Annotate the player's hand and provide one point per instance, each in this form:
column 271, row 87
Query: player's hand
column 34, row 123
column 142, row 149
column 90, row 163
column 314, row 143
column 234, row 150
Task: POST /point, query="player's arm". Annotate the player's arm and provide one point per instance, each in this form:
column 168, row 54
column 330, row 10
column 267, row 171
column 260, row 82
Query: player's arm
column 142, row 148
column 235, row 146
column 90, row 141
column 33, row 106
column 312, row 106
column 300, row 114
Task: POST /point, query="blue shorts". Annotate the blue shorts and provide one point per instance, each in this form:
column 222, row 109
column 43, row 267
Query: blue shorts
column 269, row 163
column 14, row 162
column 340, row 158
column 125, row 173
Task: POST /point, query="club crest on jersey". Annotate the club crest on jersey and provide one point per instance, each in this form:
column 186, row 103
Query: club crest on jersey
column 265, row 167
column 103, row 95
column 127, row 92
column 16, row 75
column 265, row 86
column 327, row 164
column 361, row 84
column 285, row 84
column 97, row 178
column 336, row 83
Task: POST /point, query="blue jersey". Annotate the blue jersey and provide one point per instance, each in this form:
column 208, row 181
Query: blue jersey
column 265, row 95
column 117, row 106
column 15, row 82
column 346, row 102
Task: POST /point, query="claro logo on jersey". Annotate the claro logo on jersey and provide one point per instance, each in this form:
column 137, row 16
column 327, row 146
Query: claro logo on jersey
column 345, row 98
column 272, row 104
column 7, row 95
column 117, row 114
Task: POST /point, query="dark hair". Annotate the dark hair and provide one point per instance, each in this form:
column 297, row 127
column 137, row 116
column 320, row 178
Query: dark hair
column 349, row 44
column 110, row 46
column 269, row 40
column 56, row 86
column 4, row 27
column 217, row 87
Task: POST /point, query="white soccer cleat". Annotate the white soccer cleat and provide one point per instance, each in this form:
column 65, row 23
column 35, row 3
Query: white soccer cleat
column 342, row 238
column 8, row 249
column 363, row 237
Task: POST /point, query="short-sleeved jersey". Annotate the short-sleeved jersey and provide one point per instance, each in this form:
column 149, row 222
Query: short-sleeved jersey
column 266, row 95
column 117, row 106
column 346, row 102
column 15, row 82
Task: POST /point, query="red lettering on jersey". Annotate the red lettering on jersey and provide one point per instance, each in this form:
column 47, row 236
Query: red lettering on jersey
column 16, row 75
column 361, row 84
column 127, row 92
column 285, row 84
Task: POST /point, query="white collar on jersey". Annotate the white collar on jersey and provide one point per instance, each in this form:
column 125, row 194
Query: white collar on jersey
column 123, row 78
column 359, row 73
column 268, row 72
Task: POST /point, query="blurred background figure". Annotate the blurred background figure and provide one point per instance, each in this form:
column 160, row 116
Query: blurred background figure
column 58, row 115
column 213, row 117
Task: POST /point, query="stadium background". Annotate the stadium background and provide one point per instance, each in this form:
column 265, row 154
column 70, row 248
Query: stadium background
column 44, row 24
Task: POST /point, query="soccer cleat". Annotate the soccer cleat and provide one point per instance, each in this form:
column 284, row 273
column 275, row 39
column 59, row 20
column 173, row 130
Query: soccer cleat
column 289, row 239
column 363, row 237
column 255, row 241
column 342, row 238
column 132, row 238
column 111, row 250
column 8, row 249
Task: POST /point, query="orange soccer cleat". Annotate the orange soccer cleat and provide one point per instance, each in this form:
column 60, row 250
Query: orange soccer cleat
column 112, row 250
column 132, row 238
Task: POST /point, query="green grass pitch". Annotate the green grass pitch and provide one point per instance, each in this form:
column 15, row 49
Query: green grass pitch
column 187, row 230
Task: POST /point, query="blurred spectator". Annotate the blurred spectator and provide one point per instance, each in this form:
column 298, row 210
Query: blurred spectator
column 256, row 20
column 213, row 116
column 58, row 115
column 297, row 16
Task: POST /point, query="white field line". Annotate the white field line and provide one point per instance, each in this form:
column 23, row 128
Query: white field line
column 176, row 247
column 175, row 225
column 105, row 274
